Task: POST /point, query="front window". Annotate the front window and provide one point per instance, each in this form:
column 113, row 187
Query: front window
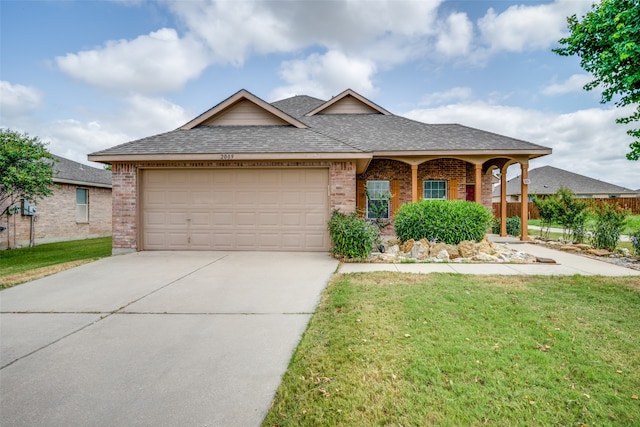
column 434, row 189
column 378, row 196
column 82, row 205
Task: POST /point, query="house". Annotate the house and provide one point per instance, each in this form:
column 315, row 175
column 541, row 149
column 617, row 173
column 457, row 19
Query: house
column 79, row 208
column 547, row 180
column 253, row 175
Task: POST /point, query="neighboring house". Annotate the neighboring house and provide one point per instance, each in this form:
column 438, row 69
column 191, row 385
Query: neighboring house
column 547, row 180
column 79, row 208
column 250, row 175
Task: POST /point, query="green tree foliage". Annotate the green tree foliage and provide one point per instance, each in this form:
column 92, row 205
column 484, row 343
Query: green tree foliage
column 607, row 39
column 26, row 169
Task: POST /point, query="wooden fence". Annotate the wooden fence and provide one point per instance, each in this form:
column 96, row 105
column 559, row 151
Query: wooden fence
column 513, row 208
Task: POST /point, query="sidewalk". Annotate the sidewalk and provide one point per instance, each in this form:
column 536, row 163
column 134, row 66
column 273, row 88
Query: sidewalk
column 623, row 238
column 566, row 264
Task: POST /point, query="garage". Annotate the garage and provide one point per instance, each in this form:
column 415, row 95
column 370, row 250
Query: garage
column 235, row 209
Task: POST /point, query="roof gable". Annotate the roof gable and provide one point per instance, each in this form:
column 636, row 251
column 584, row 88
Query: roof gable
column 244, row 109
column 349, row 102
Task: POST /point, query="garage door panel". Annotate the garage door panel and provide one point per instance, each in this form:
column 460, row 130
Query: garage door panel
column 235, row 209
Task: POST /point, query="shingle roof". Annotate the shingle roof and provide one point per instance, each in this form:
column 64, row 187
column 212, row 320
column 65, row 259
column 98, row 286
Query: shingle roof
column 548, row 180
column 236, row 139
column 73, row 172
column 327, row 133
column 299, row 105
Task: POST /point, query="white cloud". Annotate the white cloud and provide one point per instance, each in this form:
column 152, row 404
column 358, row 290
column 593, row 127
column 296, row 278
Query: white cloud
column 137, row 117
column 17, row 100
column 455, row 94
column 455, row 35
column 575, row 83
column 325, row 75
column 233, row 30
column 588, row 142
column 157, row 62
column 524, row 27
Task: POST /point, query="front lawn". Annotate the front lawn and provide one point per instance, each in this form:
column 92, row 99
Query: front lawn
column 452, row 350
column 24, row 264
column 632, row 224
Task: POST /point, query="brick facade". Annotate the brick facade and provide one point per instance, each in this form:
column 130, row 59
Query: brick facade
column 450, row 170
column 56, row 218
column 342, row 191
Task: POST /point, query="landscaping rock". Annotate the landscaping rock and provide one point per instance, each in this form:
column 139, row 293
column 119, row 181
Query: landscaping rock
column 443, row 255
column 599, row 252
column 485, row 247
column 436, row 249
column 408, row 245
column 453, row 251
column 467, row 249
column 419, row 251
column 570, row 248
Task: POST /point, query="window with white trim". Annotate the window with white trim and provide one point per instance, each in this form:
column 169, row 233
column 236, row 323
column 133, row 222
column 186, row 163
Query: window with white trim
column 378, row 200
column 82, row 205
column 434, row 189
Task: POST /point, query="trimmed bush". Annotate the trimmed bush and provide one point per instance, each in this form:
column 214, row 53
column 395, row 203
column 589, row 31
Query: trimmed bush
column 513, row 226
column 352, row 235
column 449, row 221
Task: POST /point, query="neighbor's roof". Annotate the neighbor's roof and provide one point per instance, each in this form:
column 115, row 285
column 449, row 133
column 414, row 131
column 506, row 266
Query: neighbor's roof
column 70, row 172
column 359, row 135
column 548, row 180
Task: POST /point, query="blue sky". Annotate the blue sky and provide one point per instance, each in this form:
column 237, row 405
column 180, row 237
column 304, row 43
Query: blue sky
column 87, row 75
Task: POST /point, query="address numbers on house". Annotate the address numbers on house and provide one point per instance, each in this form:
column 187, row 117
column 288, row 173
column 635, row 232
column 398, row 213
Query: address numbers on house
column 226, row 156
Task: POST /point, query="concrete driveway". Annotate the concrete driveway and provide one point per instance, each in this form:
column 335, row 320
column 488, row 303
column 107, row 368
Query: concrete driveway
column 156, row 338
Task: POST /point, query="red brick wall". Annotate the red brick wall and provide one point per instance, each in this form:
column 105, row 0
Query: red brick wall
column 124, row 181
column 56, row 219
column 342, row 191
column 439, row 169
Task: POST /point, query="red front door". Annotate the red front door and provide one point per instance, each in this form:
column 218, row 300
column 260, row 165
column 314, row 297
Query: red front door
column 471, row 193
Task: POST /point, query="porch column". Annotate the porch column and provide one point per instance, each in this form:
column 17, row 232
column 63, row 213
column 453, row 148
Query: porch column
column 524, row 200
column 478, row 185
column 414, row 183
column 503, row 201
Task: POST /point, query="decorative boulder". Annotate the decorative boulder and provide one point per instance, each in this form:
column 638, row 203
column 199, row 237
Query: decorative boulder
column 419, row 251
column 408, row 245
column 467, row 249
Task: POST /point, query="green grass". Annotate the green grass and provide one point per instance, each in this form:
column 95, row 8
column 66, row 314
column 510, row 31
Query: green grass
column 632, row 224
column 389, row 349
column 24, row 260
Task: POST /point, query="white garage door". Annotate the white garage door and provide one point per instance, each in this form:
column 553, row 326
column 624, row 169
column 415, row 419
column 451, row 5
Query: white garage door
column 235, row 209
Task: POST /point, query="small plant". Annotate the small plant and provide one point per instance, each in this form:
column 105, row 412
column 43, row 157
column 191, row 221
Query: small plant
column 609, row 225
column 635, row 242
column 449, row 221
column 548, row 209
column 352, row 235
column 513, row 226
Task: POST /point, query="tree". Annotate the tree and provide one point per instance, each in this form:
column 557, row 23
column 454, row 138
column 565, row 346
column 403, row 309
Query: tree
column 607, row 39
column 26, row 169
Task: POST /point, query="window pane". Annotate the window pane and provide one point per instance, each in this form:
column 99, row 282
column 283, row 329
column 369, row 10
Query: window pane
column 81, row 196
column 378, row 199
column 436, row 189
column 82, row 213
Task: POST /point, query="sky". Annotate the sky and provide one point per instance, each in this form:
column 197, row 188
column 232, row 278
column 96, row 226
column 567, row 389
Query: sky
column 87, row 75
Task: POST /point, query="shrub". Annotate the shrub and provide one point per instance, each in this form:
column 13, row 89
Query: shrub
column 352, row 236
column 449, row 221
column 513, row 226
column 609, row 225
column 635, row 242
column 548, row 208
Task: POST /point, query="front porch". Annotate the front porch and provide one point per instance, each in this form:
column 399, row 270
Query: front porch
column 411, row 179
